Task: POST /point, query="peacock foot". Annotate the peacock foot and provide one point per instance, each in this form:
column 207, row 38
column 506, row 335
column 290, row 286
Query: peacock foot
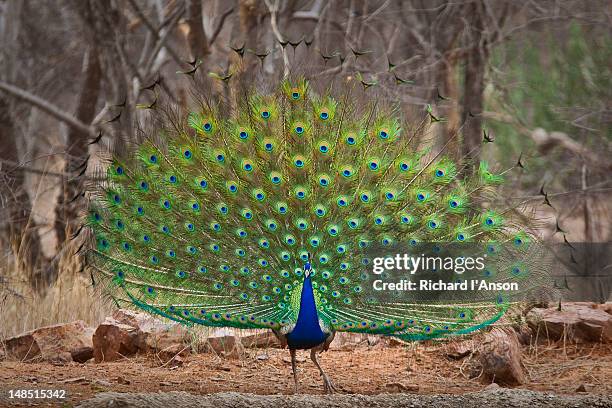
column 328, row 385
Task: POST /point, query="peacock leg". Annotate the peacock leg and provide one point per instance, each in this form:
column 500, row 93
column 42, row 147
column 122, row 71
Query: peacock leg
column 328, row 385
column 293, row 367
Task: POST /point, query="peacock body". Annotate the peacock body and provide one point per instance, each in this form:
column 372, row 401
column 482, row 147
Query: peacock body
column 258, row 212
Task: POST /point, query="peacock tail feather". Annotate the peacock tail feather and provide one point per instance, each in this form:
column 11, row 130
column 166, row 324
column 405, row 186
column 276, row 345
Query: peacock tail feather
column 211, row 218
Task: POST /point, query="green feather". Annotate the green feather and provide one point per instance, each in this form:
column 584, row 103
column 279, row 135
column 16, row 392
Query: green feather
column 212, row 224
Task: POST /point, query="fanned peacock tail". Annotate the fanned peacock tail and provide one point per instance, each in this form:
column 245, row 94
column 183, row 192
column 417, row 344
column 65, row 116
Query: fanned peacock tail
column 211, row 218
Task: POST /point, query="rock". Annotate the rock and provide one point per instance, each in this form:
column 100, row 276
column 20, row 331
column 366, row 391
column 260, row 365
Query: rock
column 260, row 340
column 175, row 361
column 500, row 358
column 373, row 340
column 225, row 346
column 606, row 307
column 173, row 354
column 524, row 334
column 127, row 333
column 62, row 343
column 395, row 342
column 262, row 357
column 399, row 387
column 122, row 381
column 154, row 335
column 76, row 380
column 492, row 386
column 102, row 383
column 457, row 351
column 579, row 322
column 347, row 341
column 113, row 340
column 581, row 388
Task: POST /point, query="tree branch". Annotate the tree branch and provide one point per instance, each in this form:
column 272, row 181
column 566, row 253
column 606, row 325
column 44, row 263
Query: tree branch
column 154, row 31
column 47, row 107
column 219, row 27
column 273, row 8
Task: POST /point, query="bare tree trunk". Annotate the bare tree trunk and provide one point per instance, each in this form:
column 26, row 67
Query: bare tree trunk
column 77, row 146
column 16, row 222
column 198, row 43
column 473, row 98
column 449, row 109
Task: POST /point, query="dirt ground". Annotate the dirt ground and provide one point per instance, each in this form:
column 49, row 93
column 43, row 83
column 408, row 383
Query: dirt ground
column 580, row 375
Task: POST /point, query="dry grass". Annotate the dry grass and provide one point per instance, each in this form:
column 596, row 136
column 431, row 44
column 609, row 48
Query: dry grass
column 70, row 298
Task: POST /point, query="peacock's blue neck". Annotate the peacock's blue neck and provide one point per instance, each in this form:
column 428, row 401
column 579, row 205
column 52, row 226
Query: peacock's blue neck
column 307, row 332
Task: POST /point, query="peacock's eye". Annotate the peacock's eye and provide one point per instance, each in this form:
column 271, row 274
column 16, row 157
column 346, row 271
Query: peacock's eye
column 119, row 170
column 265, row 114
column 383, row 134
column 324, row 115
column 243, row 135
column 439, row 173
column 295, row 95
column 207, row 126
column 187, row 154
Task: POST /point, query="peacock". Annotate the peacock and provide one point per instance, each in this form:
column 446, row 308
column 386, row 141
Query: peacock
column 262, row 205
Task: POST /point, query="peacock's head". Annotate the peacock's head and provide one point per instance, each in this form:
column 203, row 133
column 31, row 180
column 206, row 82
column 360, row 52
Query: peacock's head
column 307, row 267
